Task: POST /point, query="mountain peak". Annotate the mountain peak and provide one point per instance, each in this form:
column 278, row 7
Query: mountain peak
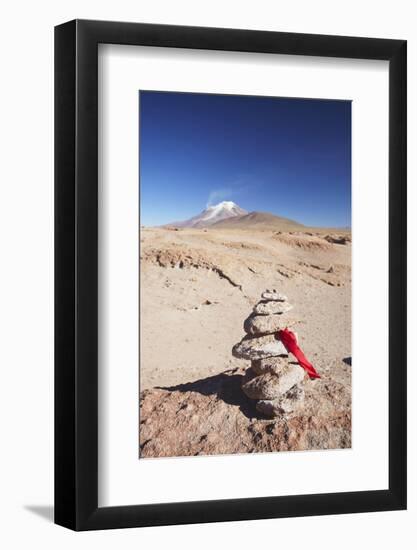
column 213, row 214
column 224, row 204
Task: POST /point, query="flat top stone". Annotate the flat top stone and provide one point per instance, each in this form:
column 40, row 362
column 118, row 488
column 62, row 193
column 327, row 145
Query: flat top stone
column 259, row 347
column 273, row 295
column 266, row 307
column 266, row 324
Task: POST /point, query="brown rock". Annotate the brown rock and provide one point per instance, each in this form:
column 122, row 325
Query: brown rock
column 272, row 365
column 283, row 405
column 265, row 324
column 273, row 295
column 259, row 347
column 212, row 416
column 338, row 239
column 272, row 386
column 270, row 307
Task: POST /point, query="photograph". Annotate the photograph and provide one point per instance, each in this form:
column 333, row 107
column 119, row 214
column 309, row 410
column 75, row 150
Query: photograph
column 208, row 239
column 245, row 274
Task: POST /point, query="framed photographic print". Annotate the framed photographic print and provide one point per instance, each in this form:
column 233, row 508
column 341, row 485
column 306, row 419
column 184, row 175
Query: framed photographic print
column 230, row 275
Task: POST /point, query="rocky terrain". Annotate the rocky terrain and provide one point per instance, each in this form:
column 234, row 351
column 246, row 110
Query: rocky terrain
column 213, row 416
column 197, row 286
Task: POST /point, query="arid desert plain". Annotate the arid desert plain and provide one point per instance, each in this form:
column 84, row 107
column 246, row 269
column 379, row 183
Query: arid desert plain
column 197, row 286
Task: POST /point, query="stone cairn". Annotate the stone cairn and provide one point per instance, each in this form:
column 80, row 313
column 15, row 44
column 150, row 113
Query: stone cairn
column 272, row 380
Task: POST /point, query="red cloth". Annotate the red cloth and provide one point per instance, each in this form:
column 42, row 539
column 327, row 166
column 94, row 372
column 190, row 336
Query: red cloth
column 288, row 339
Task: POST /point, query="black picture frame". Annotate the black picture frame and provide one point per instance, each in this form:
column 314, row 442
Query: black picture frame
column 76, row 273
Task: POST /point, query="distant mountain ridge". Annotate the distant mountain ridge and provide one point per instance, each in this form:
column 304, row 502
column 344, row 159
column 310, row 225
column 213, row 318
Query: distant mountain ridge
column 260, row 220
column 228, row 215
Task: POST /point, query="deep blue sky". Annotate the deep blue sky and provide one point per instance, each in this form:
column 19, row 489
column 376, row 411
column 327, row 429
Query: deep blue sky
column 290, row 157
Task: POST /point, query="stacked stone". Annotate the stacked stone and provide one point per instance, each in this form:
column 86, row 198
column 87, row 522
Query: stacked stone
column 272, row 380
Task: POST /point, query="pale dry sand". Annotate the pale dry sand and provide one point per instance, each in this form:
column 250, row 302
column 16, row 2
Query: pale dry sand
column 198, row 286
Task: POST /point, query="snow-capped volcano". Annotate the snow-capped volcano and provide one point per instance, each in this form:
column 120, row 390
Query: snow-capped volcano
column 212, row 215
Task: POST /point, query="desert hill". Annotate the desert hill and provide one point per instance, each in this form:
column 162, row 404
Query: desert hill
column 228, row 215
column 258, row 220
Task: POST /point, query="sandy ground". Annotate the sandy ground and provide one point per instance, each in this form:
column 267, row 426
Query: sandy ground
column 198, row 286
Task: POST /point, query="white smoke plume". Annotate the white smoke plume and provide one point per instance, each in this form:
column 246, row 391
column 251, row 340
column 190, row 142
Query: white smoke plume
column 218, row 195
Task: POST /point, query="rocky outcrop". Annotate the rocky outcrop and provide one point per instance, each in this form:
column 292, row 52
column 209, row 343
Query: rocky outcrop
column 214, row 416
column 338, row 239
